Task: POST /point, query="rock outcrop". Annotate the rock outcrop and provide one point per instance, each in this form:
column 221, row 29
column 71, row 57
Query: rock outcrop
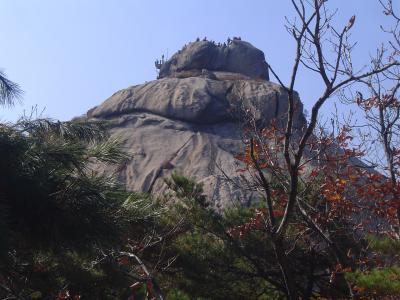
column 237, row 57
column 190, row 124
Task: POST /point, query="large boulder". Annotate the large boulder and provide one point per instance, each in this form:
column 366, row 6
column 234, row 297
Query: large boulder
column 198, row 100
column 237, row 57
column 189, row 120
column 190, row 126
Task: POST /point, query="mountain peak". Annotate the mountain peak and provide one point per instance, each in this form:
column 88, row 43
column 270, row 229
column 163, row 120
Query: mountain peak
column 235, row 56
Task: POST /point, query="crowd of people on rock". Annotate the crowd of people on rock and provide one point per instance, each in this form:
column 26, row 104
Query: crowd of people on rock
column 227, row 43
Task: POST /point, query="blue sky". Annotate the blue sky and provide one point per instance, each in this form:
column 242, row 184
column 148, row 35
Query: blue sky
column 70, row 55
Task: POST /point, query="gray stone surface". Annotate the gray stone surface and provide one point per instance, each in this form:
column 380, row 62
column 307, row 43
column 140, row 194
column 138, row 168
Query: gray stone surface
column 237, row 57
column 190, row 125
column 188, row 121
column 198, row 100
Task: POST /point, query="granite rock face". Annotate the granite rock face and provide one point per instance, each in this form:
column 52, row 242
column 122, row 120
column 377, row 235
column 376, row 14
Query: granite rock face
column 190, row 124
column 197, row 100
column 237, row 57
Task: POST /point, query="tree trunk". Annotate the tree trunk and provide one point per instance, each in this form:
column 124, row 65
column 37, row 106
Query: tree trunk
column 291, row 291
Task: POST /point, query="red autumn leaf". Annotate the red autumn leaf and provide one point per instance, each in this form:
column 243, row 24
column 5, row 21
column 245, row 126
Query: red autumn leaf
column 123, row 260
column 392, row 211
column 63, row 295
column 149, row 286
column 279, row 213
column 314, row 173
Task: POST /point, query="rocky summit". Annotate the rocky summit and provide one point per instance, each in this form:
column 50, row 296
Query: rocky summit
column 234, row 56
column 188, row 120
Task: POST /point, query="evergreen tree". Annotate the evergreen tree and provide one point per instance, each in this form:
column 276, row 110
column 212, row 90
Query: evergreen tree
column 67, row 228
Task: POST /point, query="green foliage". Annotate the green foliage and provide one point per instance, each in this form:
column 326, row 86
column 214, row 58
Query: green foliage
column 63, row 220
column 229, row 255
column 49, row 194
column 69, row 131
column 211, row 263
column 384, row 245
column 177, row 295
column 69, row 229
column 9, row 91
column 381, row 275
column 377, row 282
